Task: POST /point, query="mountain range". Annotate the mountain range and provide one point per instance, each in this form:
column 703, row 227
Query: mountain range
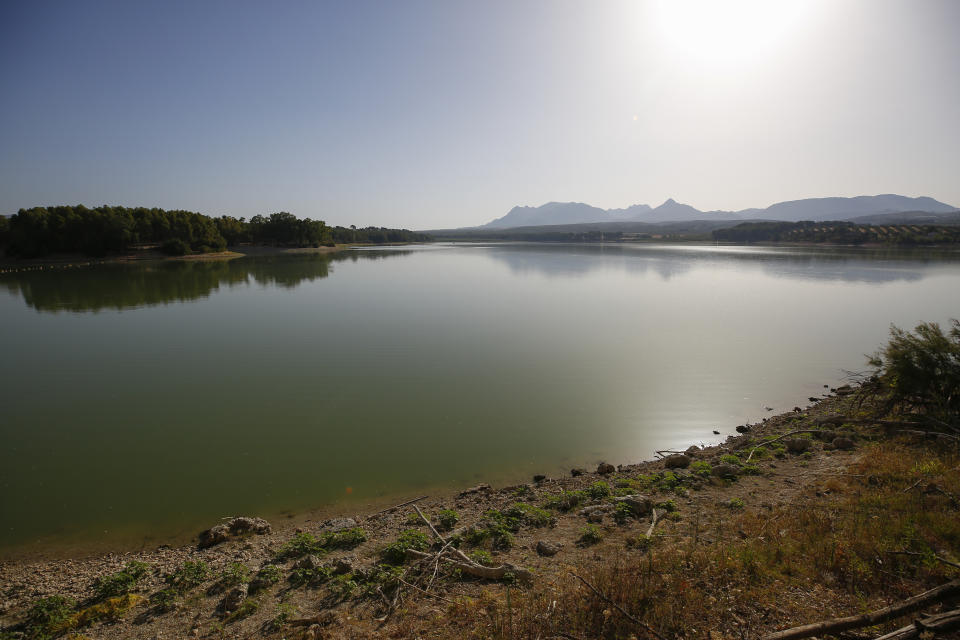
column 557, row 213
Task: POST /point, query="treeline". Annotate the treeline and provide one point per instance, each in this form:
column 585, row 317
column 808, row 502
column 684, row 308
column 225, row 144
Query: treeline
column 41, row 231
column 839, row 233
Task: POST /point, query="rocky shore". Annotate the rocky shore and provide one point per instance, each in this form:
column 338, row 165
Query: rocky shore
column 394, row 574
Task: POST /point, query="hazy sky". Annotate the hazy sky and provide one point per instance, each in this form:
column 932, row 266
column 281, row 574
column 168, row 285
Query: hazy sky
column 446, row 113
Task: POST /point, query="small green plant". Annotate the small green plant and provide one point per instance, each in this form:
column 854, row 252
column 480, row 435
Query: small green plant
column 736, row 504
column 528, row 514
column 396, row 551
column 343, row 586
column 446, row 519
column 565, row 500
column 285, row 611
column 312, row 576
column 165, row 600
column 189, row 576
column 266, row 577
column 302, row 544
column 590, row 534
column 622, row 513
column 343, row 539
column 668, row 480
column 236, row 573
column 121, row 582
column 481, row 557
column 598, row 490
column 729, row 458
column 48, row 617
column 700, row 468
column 668, row 505
column 750, row 470
column 246, row 609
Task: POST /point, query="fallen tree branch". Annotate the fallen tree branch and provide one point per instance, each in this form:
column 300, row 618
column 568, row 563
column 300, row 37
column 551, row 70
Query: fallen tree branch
column 430, row 524
column 396, row 506
column 789, row 433
column 914, row 553
column 477, row 570
column 869, row 619
column 629, row 617
column 653, row 523
column 938, row 623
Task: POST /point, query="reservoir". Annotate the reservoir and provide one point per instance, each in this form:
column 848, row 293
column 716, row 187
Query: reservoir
column 143, row 402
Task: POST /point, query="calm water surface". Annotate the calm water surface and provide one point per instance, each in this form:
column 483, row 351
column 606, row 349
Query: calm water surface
column 144, row 402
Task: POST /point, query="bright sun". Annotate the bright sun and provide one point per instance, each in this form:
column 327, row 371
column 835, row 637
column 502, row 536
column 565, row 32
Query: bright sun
column 715, row 32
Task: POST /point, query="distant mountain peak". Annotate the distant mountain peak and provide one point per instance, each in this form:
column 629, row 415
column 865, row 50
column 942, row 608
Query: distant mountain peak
column 553, row 213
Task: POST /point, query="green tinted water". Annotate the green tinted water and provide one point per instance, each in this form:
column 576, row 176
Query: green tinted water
column 149, row 400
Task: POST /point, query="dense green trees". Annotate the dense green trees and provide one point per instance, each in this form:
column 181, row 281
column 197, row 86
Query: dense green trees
column 40, row 231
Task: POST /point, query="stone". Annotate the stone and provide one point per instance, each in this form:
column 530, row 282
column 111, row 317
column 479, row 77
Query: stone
column 244, row 524
column 844, row 444
column 725, row 470
column 339, row 524
column 640, row 505
column 797, row 445
column 234, row 598
column 826, row 435
column 680, row 461
column 577, row 471
column 539, row 477
column 594, row 513
column 344, row 565
column 307, row 562
column 545, row 548
column 744, row 428
column 692, row 450
column 715, row 432
column 214, row 535
column 833, row 418
column 605, row 468
column 474, row 490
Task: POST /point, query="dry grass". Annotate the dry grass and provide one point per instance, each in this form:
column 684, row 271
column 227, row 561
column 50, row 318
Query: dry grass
column 825, row 555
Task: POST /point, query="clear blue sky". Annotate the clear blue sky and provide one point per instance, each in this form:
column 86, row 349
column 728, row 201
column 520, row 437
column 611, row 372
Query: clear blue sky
column 446, row 113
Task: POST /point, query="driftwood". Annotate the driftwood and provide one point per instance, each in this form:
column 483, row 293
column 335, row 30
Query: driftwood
column 470, row 567
column 396, row 506
column 765, row 443
column 629, row 617
column 461, row 561
column 653, row 523
column 904, row 607
column 939, row 623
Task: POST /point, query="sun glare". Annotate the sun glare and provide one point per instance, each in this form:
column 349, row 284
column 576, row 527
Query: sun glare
column 711, row 32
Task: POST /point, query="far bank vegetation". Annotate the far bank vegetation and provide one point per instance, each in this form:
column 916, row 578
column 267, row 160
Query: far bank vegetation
column 105, row 230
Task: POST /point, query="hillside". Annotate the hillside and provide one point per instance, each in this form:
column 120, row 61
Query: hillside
column 815, row 209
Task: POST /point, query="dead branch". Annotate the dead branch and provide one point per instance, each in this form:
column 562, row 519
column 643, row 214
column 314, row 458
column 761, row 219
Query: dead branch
column 470, row 567
column 765, row 443
column 653, row 523
column 935, row 624
column 629, row 617
column 430, row 524
column 914, row 553
column 869, row 619
column 935, row 434
column 396, row 506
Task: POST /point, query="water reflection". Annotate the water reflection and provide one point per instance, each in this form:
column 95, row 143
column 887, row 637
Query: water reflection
column 130, row 286
column 669, row 261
